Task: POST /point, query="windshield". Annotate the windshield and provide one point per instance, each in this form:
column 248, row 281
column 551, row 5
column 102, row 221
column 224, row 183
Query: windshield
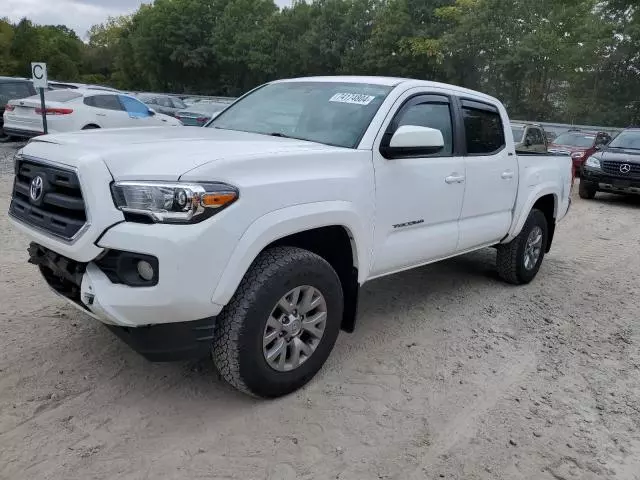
column 575, row 139
column 629, row 140
column 517, row 134
column 325, row 112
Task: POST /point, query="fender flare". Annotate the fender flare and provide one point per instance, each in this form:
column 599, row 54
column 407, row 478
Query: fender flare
column 288, row 221
column 535, row 194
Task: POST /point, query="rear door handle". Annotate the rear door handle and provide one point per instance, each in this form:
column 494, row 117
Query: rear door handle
column 508, row 175
column 101, row 114
column 454, row 178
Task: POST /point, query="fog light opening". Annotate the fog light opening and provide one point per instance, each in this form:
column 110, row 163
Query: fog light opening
column 145, row 270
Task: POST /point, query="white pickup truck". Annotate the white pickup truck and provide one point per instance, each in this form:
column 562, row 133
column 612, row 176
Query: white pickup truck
column 252, row 236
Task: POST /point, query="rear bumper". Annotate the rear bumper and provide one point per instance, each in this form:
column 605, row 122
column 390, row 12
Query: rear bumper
column 611, row 183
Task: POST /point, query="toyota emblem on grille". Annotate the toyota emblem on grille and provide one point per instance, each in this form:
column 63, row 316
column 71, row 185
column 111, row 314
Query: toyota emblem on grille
column 625, row 168
column 35, row 192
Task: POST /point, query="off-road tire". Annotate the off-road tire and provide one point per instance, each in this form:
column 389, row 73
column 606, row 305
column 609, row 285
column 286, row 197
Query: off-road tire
column 587, row 190
column 237, row 345
column 510, row 257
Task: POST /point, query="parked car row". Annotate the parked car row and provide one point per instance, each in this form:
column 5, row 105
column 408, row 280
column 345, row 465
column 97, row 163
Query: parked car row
column 77, row 106
column 70, row 110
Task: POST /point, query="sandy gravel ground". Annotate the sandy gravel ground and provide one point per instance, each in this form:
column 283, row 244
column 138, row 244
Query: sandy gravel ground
column 450, row 374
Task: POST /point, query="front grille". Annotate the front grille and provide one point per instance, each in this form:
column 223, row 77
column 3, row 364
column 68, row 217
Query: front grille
column 57, row 206
column 612, row 167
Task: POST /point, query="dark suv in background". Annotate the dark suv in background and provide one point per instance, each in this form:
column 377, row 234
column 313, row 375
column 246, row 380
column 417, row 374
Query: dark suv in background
column 10, row 89
column 615, row 168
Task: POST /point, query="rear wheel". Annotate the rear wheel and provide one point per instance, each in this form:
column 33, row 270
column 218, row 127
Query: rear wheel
column 587, row 190
column 280, row 326
column 90, row 127
column 518, row 261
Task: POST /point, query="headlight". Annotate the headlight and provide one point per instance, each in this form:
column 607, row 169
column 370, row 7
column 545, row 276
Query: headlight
column 577, row 154
column 592, row 162
column 172, row 202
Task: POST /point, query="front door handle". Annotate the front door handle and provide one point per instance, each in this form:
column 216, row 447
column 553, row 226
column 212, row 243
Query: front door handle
column 101, row 114
column 454, row 178
column 508, row 175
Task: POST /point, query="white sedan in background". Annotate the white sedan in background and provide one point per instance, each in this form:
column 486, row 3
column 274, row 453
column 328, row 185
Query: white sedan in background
column 70, row 110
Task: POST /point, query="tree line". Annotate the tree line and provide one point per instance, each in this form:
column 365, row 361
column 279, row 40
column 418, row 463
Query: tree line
column 574, row 61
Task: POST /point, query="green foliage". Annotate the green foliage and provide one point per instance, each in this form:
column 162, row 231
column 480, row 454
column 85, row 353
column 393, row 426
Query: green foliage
column 560, row 60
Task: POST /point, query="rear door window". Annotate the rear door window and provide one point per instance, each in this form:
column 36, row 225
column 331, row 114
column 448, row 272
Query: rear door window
column 483, row 128
column 106, row 102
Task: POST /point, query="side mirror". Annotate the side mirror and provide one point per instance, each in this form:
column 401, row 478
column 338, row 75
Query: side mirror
column 413, row 141
column 152, row 112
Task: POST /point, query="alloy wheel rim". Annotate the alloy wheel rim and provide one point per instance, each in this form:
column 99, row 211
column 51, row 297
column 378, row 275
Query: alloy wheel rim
column 533, row 248
column 294, row 328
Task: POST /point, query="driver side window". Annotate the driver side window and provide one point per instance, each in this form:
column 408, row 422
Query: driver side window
column 426, row 113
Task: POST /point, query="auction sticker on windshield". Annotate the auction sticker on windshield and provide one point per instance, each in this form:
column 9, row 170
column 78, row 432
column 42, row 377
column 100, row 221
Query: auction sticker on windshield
column 356, row 98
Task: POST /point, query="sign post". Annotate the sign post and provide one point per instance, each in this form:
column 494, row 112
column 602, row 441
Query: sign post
column 39, row 77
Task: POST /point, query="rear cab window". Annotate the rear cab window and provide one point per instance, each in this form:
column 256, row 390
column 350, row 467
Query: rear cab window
column 484, row 132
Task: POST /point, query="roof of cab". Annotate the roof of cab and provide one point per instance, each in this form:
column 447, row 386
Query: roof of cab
column 390, row 82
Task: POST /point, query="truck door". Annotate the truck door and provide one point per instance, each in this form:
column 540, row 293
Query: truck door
column 418, row 196
column 492, row 175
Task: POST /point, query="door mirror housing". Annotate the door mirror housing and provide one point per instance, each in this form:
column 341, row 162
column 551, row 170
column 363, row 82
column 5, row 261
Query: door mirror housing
column 152, row 112
column 413, row 141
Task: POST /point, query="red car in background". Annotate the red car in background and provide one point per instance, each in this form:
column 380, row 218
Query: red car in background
column 580, row 144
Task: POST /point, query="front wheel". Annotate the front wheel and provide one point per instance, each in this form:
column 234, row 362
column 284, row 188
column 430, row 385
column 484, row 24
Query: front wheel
column 587, row 190
column 519, row 260
column 281, row 324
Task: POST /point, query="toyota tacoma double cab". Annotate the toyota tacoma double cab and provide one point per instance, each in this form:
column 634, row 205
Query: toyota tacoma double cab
column 251, row 237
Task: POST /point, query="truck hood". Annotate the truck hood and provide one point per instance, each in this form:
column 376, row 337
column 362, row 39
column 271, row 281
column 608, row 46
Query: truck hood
column 619, row 155
column 160, row 153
